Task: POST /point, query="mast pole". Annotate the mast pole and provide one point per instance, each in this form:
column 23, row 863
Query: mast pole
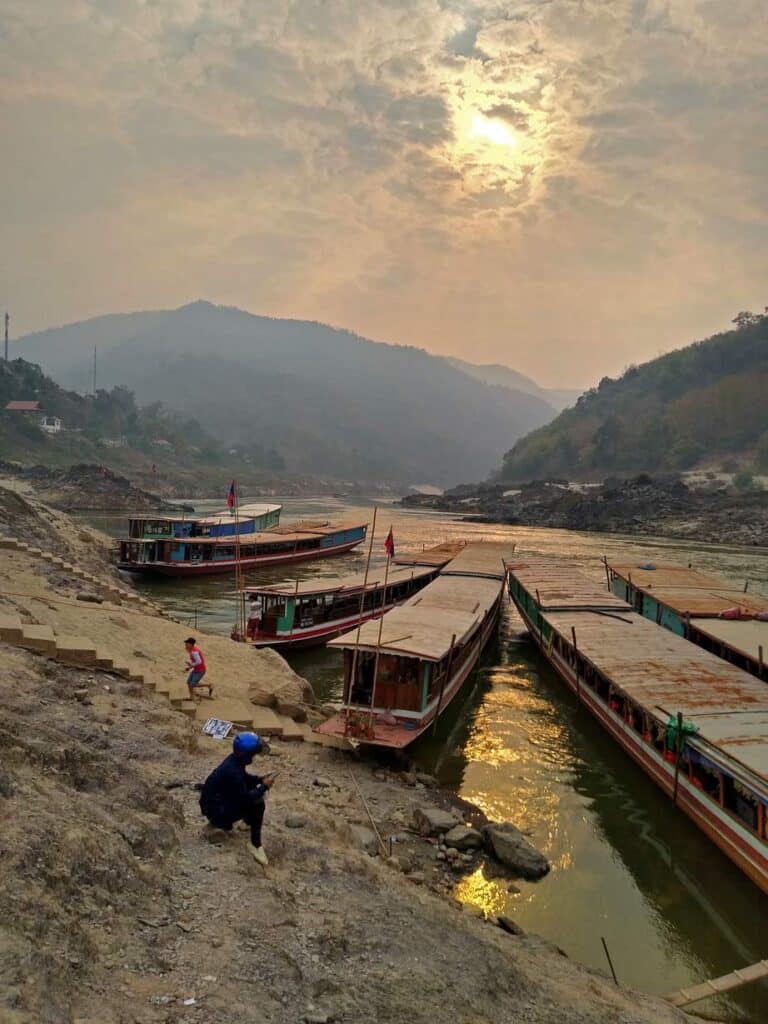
column 238, row 574
column 360, row 619
column 378, row 639
column 7, row 319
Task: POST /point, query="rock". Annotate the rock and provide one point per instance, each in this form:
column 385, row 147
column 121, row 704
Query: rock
column 513, row 889
column 431, row 821
column 417, row 877
column 295, row 820
column 509, row 846
column 322, row 781
column 440, row 855
column 508, row 925
column 80, row 694
column 89, row 596
column 463, row 838
column 426, row 779
column 291, row 709
column 473, row 910
column 365, row 838
column 452, row 854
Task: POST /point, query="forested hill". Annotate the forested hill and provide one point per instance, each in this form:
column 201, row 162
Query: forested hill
column 328, row 401
column 701, row 405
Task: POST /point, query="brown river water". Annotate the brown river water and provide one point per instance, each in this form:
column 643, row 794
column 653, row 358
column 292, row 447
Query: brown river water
column 625, row 866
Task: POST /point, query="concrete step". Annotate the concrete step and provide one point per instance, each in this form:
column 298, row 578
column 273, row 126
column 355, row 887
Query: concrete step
column 75, row 650
column 38, row 638
column 35, row 551
column 238, row 711
column 189, row 708
column 8, row 542
column 11, row 629
column 104, row 662
column 291, row 729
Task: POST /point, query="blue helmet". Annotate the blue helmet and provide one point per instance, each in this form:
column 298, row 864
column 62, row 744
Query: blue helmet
column 246, row 744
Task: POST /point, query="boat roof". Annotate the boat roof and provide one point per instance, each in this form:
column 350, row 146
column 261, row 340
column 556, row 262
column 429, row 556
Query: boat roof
column 425, row 625
column 688, row 591
column 334, row 584
column 276, row 535
column 244, row 512
column 564, row 585
column 438, row 555
column 666, row 674
column 746, row 636
column 645, row 575
column 482, row 558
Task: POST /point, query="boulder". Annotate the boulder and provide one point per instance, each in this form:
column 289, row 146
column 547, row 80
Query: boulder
column 510, row 847
column 508, row 925
column 365, row 838
column 89, row 596
column 460, row 837
column 291, row 709
column 293, row 820
column 432, row 821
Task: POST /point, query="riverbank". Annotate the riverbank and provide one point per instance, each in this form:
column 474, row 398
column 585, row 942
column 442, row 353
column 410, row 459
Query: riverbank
column 143, row 919
column 643, row 506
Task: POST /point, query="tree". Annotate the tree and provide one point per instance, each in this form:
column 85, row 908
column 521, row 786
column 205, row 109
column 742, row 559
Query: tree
column 746, row 319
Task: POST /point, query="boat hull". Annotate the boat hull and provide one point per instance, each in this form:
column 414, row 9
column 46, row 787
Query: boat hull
column 745, row 850
column 211, row 568
column 400, row 736
column 315, row 636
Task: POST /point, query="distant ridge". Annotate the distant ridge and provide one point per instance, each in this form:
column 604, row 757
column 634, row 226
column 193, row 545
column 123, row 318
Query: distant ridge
column 700, row 405
column 325, row 399
column 499, row 375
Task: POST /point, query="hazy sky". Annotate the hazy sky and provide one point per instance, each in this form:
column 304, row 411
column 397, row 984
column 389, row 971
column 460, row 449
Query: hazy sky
column 566, row 186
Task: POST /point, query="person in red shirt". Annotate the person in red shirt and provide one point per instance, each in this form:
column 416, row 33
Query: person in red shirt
column 197, row 668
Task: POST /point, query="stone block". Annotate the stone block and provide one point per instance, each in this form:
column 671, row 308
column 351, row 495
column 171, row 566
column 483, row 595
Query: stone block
column 432, row 821
column 38, row 638
column 10, row 629
column 75, row 650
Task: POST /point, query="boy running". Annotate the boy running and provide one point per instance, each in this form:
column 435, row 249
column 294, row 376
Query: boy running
column 196, row 665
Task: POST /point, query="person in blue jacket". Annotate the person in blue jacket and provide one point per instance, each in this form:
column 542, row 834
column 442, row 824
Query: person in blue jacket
column 231, row 794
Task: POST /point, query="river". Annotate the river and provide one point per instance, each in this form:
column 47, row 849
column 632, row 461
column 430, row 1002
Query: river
column 625, row 866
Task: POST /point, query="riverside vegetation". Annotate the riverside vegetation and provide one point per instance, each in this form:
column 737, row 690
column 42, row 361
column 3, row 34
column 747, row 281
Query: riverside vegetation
column 116, row 909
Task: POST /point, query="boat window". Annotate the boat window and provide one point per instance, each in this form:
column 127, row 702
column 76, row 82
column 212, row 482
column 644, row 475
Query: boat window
column 739, row 801
column 706, row 778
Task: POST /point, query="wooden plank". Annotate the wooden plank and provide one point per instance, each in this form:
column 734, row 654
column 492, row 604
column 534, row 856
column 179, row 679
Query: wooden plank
column 716, row 986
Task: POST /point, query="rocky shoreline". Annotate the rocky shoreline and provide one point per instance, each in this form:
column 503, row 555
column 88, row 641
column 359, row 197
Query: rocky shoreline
column 663, row 507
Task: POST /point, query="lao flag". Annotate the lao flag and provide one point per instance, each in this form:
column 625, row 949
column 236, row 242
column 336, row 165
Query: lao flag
column 389, row 544
column 231, row 495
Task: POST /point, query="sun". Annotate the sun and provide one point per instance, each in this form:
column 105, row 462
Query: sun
column 491, row 130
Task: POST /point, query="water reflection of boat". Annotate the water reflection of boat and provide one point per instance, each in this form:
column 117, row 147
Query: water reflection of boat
column 401, row 673
column 636, row 678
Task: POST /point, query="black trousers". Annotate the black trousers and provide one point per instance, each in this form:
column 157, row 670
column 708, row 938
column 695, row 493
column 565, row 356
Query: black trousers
column 254, row 816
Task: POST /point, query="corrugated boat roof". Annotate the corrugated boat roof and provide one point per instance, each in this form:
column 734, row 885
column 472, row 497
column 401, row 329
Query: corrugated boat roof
column 424, row 626
column 746, row 636
column 438, row 555
column 690, row 591
column 225, row 516
column 665, row 576
column 482, row 558
column 332, row 584
column 666, row 674
column 563, row 585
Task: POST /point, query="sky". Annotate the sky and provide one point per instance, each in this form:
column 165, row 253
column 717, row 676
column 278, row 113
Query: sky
column 564, row 186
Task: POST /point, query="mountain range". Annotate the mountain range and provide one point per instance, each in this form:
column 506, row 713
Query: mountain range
column 325, row 399
column 700, row 406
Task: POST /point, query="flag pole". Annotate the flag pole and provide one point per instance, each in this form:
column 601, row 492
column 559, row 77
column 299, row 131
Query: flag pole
column 238, row 577
column 381, row 627
column 360, row 620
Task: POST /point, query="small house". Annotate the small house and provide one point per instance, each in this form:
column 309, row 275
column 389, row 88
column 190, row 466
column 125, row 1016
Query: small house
column 50, row 424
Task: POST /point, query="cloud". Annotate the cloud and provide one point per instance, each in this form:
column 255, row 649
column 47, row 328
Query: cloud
column 323, row 159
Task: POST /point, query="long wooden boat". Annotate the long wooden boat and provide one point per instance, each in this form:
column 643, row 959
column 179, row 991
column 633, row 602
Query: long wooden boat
column 636, row 678
column 310, row 612
column 402, row 672
column 188, row 546
column 721, row 618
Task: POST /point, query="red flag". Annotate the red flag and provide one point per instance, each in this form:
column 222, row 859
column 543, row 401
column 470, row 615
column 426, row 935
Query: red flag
column 102, row 470
column 231, row 495
column 389, row 544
